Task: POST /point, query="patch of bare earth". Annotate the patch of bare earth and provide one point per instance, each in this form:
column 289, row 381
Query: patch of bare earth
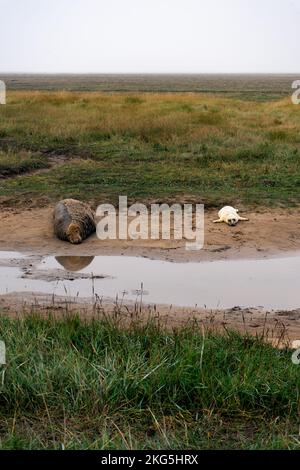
column 52, row 160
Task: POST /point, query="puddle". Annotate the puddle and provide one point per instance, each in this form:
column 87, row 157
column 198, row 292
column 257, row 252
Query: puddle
column 8, row 255
column 269, row 283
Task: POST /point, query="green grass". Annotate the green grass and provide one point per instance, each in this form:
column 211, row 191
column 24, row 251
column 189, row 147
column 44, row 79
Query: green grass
column 15, row 163
column 210, row 148
column 94, row 385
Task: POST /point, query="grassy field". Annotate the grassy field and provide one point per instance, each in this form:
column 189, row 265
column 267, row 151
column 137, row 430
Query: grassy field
column 164, row 146
column 97, row 385
column 73, row 384
column 255, row 87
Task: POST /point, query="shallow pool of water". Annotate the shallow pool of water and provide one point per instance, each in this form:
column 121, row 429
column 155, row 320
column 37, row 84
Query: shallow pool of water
column 269, row 283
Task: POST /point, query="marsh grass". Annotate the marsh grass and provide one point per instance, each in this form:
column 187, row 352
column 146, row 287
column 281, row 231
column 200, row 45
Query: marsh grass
column 165, row 146
column 75, row 383
column 14, row 163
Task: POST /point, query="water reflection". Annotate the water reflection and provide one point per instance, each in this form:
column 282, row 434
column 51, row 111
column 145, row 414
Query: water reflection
column 74, row 263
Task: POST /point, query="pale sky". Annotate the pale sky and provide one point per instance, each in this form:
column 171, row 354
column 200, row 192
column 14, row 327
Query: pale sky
column 150, row 36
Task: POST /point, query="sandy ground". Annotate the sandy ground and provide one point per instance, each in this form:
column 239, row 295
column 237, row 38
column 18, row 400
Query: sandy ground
column 269, row 232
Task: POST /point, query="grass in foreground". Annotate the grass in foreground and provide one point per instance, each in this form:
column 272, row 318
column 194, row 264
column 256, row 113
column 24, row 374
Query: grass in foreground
column 74, row 384
column 153, row 146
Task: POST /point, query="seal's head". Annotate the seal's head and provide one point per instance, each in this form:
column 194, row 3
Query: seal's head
column 232, row 221
column 73, row 234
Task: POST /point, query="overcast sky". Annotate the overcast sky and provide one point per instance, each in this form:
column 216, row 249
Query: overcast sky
column 141, row 36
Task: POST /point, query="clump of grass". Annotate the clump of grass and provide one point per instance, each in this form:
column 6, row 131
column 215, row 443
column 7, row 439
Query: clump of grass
column 12, row 163
column 280, row 135
column 133, row 100
column 97, row 384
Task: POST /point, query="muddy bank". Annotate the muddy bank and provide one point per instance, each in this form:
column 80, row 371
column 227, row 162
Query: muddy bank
column 269, row 232
column 280, row 328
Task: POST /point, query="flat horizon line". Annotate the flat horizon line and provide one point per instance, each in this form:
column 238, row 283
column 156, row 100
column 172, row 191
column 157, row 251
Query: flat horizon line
column 150, row 73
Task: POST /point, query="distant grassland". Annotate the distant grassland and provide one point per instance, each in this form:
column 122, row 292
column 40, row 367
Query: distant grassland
column 162, row 146
column 75, row 384
column 246, row 86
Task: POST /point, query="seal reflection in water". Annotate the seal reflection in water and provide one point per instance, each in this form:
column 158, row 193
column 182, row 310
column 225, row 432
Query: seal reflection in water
column 74, row 263
column 74, row 221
